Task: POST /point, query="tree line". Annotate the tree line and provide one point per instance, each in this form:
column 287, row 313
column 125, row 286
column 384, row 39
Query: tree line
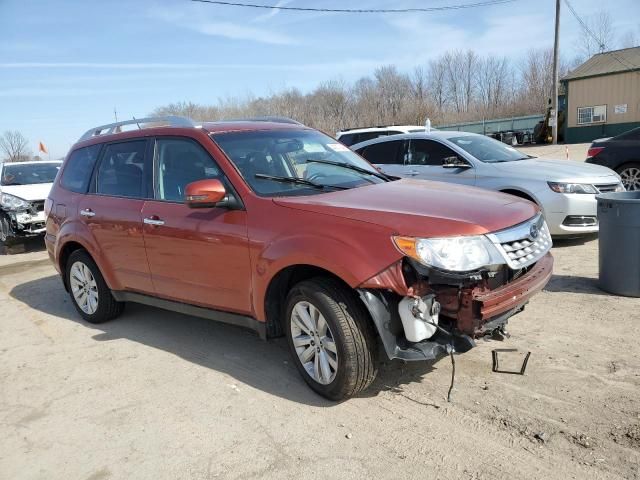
column 459, row 85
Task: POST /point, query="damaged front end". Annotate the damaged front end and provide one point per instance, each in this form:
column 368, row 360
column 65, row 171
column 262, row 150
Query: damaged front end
column 20, row 218
column 421, row 311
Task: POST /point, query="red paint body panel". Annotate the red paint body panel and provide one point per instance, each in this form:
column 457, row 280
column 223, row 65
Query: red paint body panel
column 226, row 259
column 116, row 231
column 421, row 208
column 200, row 256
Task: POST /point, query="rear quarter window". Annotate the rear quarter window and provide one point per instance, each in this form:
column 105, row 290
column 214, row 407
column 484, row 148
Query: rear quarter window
column 347, row 139
column 77, row 171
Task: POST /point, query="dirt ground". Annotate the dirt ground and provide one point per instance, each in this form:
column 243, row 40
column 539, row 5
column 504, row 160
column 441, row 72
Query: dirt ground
column 158, row 395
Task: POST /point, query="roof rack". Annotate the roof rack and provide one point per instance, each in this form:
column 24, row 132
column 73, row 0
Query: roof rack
column 110, row 128
column 265, row 118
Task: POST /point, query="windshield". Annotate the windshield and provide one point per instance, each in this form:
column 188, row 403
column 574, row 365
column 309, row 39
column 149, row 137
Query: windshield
column 487, row 149
column 295, row 162
column 29, row 173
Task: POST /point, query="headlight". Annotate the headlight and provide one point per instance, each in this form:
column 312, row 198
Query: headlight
column 620, row 188
column 572, row 187
column 458, row 254
column 11, row 202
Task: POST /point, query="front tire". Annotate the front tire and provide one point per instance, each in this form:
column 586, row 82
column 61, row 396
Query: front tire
column 89, row 292
column 331, row 338
column 6, row 234
column 630, row 175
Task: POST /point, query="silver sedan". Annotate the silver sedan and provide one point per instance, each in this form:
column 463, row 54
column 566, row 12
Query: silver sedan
column 565, row 190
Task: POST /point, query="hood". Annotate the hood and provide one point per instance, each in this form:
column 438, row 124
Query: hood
column 37, row 191
column 420, row 208
column 556, row 170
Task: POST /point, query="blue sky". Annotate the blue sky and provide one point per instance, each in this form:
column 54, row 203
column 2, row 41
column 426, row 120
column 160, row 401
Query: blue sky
column 65, row 65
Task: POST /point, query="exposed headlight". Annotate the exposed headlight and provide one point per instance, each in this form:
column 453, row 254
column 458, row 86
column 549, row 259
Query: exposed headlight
column 458, row 254
column 11, row 202
column 572, row 187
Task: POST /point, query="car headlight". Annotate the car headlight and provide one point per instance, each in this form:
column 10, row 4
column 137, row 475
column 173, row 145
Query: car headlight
column 620, row 188
column 572, row 187
column 11, row 202
column 458, row 254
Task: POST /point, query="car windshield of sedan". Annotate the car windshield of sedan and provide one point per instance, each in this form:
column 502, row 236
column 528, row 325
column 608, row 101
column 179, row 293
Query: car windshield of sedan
column 29, row 173
column 487, row 149
column 295, row 162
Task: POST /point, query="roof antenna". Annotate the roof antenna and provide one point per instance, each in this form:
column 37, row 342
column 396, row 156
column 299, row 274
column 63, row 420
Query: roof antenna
column 139, row 127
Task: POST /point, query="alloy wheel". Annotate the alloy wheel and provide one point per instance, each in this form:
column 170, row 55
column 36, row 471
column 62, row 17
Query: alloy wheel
column 314, row 342
column 631, row 178
column 84, row 288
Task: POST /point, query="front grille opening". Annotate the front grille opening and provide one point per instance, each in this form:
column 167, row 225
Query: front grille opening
column 580, row 221
column 606, row 188
column 525, row 251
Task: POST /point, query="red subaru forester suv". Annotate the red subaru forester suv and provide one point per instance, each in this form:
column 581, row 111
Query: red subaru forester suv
column 274, row 226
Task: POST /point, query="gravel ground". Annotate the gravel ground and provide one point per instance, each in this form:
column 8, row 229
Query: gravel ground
column 161, row 395
column 158, row 395
column 576, row 152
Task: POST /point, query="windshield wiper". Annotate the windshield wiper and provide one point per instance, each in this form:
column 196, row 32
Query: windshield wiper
column 352, row 167
column 298, row 181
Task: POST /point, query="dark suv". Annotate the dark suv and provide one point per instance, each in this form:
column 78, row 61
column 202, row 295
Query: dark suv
column 277, row 227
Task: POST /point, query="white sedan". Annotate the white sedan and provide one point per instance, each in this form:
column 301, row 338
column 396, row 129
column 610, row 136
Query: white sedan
column 565, row 190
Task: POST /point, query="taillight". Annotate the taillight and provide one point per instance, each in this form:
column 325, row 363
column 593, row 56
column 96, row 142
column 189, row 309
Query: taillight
column 593, row 151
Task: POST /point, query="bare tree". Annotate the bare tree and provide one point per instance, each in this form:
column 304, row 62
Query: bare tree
column 493, row 84
column 630, row 38
column 601, row 38
column 457, row 86
column 438, row 85
column 15, row 146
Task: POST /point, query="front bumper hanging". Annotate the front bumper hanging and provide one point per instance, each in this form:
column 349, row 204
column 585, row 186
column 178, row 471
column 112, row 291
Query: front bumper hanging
column 467, row 312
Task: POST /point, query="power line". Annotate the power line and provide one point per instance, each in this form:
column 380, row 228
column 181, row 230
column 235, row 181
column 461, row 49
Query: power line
column 622, row 61
column 485, row 3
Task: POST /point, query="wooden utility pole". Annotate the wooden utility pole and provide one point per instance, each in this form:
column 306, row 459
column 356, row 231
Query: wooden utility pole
column 554, row 100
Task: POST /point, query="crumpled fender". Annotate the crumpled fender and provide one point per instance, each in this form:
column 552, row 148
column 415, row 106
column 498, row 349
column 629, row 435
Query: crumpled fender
column 350, row 261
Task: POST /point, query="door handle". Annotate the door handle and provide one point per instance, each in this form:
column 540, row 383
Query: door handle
column 155, row 221
column 87, row 212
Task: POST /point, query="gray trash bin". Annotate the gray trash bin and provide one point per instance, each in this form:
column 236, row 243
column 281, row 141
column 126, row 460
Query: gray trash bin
column 619, row 242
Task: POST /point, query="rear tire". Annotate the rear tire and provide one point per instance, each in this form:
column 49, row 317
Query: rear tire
column 89, row 292
column 630, row 174
column 331, row 338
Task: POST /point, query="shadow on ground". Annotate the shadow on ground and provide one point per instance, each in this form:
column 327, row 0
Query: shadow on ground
column 35, row 244
column 234, row 351
column 574, row 284
column 564, row 242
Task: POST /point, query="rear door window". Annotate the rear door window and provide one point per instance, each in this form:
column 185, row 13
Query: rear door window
column 123, row 170
column 78, row 169
column 383, row 153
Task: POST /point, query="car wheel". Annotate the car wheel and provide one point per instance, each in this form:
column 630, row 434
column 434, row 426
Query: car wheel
column 630, row 175
column 5, row 230
column 89, row 292
column 331, row 338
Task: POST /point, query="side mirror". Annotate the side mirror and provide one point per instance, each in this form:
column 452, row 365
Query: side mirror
column 204, row 194
column 455, row 162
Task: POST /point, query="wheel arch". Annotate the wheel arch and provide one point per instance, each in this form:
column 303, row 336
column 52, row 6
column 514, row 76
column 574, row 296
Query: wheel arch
column 279, row 286
column 63, row 257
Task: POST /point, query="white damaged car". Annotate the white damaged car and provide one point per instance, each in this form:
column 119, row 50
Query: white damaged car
column 24, row 186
